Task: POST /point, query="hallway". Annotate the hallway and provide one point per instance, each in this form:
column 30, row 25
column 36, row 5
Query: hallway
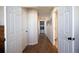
column 43, row 46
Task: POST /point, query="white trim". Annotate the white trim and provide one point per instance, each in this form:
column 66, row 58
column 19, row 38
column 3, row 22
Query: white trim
column 5, row 29
column 73, row 28
column 33, row 43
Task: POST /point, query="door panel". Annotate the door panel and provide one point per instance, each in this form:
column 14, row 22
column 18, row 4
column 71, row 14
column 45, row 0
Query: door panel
column 65, row 29
column 24, row 28
column 32, row 27
column 13, row 25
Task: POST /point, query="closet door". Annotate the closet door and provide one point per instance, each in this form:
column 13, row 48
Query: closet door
column 13, row 23
column 32, row 27
column 65, row 30
column 24, row 28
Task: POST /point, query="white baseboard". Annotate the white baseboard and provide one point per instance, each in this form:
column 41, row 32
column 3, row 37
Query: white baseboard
column 33, row 43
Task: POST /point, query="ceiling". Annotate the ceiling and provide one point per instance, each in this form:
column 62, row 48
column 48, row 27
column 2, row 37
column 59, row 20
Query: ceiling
column 43, row 11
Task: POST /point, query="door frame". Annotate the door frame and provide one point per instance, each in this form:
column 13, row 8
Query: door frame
column 54, row 15
column 5, row 33
column 44, row 25
column 73, row 29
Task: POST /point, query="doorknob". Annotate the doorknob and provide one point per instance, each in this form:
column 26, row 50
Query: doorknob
column 73, row 38
column 4, row 39
column 70, row 38
column 26, row 31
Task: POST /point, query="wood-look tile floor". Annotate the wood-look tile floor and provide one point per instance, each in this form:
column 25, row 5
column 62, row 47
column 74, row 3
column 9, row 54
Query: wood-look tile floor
column 43, row 46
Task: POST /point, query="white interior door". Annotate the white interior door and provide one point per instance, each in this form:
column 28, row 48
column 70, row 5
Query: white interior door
column 24, row 28
column 14, row 30
column 32, row 27
column 65, row 29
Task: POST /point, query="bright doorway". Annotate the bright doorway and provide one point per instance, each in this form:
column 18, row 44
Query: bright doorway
column 42, row 27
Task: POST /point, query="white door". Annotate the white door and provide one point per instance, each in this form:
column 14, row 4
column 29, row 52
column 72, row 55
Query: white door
column 24, row 28
column 32, row 27
column 65, row 29
column 13, row 26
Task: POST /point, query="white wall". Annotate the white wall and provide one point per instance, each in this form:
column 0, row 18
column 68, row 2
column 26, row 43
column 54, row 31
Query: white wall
column 1, row 15
column 14, row 29
column 49, row 29
column 51, row 32
column 76, row 29
column 32, row 27
column 55, row 24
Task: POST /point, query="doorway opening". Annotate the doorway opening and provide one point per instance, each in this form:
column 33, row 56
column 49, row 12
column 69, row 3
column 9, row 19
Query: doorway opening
column 42, row 27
